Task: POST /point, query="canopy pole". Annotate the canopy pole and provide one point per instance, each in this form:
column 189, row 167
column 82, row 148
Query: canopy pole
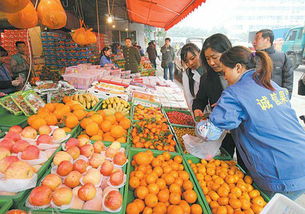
column 98, row 26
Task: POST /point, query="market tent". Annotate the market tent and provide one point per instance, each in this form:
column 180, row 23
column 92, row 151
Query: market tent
column 160, row 13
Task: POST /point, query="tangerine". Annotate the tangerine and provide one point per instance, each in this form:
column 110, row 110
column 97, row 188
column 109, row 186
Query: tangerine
column 196, row 209
column 132, row 208
column 174, row 198
column 134, row 182
column 97, row 118
column 80, row 114
column 190, row 196
column 151, row 200
column 106, row 125
column 235, row 203
column 163, row 195
column 85, row 122
column 140, row 203
column 153, row 188
column 117, row 131
column 71, row 121
column 141, row 192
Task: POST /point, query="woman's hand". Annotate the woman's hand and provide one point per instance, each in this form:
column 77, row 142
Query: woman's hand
column 198, row 113
column 16, row 82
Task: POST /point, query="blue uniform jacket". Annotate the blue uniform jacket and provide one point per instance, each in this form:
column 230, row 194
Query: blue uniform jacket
column 105, row 60
column 266, row 131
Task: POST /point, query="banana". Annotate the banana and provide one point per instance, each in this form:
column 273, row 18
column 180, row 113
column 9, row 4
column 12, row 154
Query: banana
column 81, row 99
column 93, row 103
column 88, row 105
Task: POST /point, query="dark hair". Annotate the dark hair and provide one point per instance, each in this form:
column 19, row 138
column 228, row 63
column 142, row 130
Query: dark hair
column 167, row 39
column 3, row 52
column 128, row 38
column 267, row 33
column 105, row 49
column 258, row 60
column 217, row 42
column 19, row 43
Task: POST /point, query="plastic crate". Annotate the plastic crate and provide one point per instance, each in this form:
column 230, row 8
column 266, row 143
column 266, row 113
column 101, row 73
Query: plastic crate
column 165, row 111
column 7, row 119
column 5, row 205
column 128, row 194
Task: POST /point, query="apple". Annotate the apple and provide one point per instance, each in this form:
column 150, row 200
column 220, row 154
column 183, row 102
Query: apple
column 61, row 156
column 93, row 176
column 116, row 178
column 106, row 168
column 62, row 196
column 7, row 143
column 6, row 162
column 30, row 153
column 16, row 211
column 87, row 192
column 4, row 152
column 96, row 160
column 44, row 139
column 29, row 132
column 64, row 168
column 113, row 200
column 16, row 129
column 19, row 146
column 40, row 196
column 45, row 129
column 59, row 134
column 13, row 135
column 74, row 152
column 115, row 145
column 77, row 203
column 52, row 181
column 119, row 158
column 72, row 142
column 19, row 170
column 73, row 179
column 87, row 150
column 98, row 146
column 110, row 152
column 83, row 141
column 80, row 165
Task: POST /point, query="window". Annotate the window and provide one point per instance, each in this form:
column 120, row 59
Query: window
column 300, row 33
column 292, row 35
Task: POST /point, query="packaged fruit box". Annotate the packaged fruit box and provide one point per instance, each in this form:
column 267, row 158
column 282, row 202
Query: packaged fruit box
column 160, row 182
column 19, row 100
column 141, row 112
column 88, row 177
column 224, row 187
column 179, row 117
column 8, row 103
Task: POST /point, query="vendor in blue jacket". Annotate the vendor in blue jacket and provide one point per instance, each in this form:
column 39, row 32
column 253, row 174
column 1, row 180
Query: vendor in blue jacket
column 265, row 128
column 105, row 56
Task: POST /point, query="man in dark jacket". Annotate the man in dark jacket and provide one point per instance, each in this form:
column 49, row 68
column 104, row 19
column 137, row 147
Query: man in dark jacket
column 152, row 53
column 282, row 72
column 168, row 56
column 132, row 56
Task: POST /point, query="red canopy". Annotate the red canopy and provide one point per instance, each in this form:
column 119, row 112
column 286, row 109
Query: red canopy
column 160, row 13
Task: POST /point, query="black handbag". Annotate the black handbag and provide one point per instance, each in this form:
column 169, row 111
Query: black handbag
column 301, row 85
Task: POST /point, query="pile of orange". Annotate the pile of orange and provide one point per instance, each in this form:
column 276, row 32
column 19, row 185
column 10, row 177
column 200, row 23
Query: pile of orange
column 141, row 112
column 226, row 188
column 161, row 185
column 99, row 126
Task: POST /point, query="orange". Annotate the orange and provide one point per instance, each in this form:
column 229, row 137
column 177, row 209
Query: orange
column 51, row 120
column 161, row 183
column 230, row 210
column 259, row 201
column 185, row 206
column 37, row 123
column 117, row 131
column 179, row 181
column 121, row 139
column 190, row 196
column 223, row 191
column 248, row 179
column 163, row 195
column 97, row 118
column 184, row 175
column 92, row 129
column 230, row 179
column 111, row 118
column 196, row 209
column 140, row 203
column 178, row 159
column 188, row 185
column 32, row 118
column 249, row 187
column 214, row 196
column 125, row 123
column 156, row 162
column 223, row 201
column 175, row 188
column 108, row 137
column 256, row 208
column 119, row 116
column 134, row 182
column 175, row 210
column 50, row 107
column 160, row 208
column 90, row 113
column 236, row 191
column 166, row 155
column 71, row 121
column 106, row 126
column 132, row 208
column 151, row 200
column 169, row 179
column 85, row 122
column 151, row 179
column 153, row 188
column 249, row 211
column 141, row 192
column 174, row 198
column 158, row 170
column 139, row 174
column 80, row 114
column 245, row 204
column 235, row 203
column 254, row 193
column 221, row 210
column 214, row 204
column 76, row 106
column 147, row 210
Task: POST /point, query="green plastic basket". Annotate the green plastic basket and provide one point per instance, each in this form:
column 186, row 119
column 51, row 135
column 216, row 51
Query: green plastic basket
column 5, row 205
column 129, row 196
column 197, row 160
column 7, row 119
column 165, row 110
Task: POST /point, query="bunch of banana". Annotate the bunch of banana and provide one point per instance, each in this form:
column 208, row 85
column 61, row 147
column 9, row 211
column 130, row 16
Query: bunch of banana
column 87, row 100
column 117, row 104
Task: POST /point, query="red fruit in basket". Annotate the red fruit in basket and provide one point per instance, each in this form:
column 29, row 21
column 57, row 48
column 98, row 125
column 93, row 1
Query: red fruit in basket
column 73, row 179
column 19, row 146
column 117, row 178
column 87, row 192
column 16, row 129
column 45, row 129
column 44, row 139
column 52, row 181
column 87, row 150
column 106, row 168
column 40, row 196
column 15, row 211
column 30, row 153
column 7, row 143
column 119, row 158
column 64, row 168
column 4, row 152
column 72, row 142
column 98, row 146
column 6, row 162
column 62, row 196
column 113, row 200
column 96, row 160
column 80, row 165
column 29, row 132
column 13, row 135
column 74, row 152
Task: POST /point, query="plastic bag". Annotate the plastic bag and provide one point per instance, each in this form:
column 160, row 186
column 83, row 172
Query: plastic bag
column 12, row 6
column 18, row 185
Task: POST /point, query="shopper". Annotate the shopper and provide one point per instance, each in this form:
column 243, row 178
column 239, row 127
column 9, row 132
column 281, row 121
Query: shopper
column 106, row 54
column 20, row 62
column 7, row 84
column 168, row 56
column 213, row 83
column 191, row 77
column 267, row 132
column 132, row 56
column 152, row 53
column 282, row 72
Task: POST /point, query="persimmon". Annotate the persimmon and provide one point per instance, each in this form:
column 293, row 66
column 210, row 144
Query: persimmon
column 125, row 123
column 38, row 122
column 97, row 118
column 71, row 121
column 92, row 129
column 117, row 131
column 106, row 125
column 85, row 122
column 80, row 114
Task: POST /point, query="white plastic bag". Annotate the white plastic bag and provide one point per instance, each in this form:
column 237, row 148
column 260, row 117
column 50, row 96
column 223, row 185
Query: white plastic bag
column 18, row 185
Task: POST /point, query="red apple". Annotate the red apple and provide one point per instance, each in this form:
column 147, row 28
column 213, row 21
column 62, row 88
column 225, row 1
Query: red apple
column 119, row 158
column 30, row 153
column 74, row 152
column 87, row 150
column 52, row 180
column 98, row 146
column 62, row 196
column 16, row 129
column 29, row 132
column 80, row 165
column 83, row 141
column 45, row 129
column 87, row 192
column 113, row 200
column 7, row 143
column 19, row 146
column 13, row 135
column 116, row 178
column 6, row 162
column 96, row 160
column 64, row 168
column 40, row 196
column 73, row 179
column 72, row 142
column 4, row 152
column 110, row 152
column 106, row 168
column 59, row 134
column 44, row 138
